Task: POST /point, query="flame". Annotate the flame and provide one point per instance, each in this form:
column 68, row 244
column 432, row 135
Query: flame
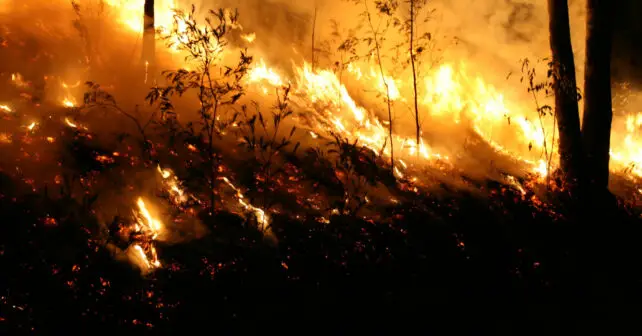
column 73, row 86
column 18, row 80
column 172, row 186
column 146, row 222
column 249, row 37
column 627, row 155
column 6, row 108
column 149, row 259
column 513, row 181
column 32, row 126
column 5, row 138
column 70, row 123
column 68, row 103
column 262, row 218
column 541, row 169
column 260, row 72
column 149, row 228
column 130, row 13
column 448, row 92
column 146, row 71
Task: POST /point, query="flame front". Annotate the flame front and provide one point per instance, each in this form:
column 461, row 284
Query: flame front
column 148, row 228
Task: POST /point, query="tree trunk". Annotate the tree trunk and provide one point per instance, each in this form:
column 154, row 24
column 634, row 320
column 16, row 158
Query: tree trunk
column 565, row 88
column 149, row 34
column 598, row 114
column 414, row 74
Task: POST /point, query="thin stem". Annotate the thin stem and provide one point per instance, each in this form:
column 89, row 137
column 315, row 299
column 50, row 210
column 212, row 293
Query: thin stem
column 385, row 83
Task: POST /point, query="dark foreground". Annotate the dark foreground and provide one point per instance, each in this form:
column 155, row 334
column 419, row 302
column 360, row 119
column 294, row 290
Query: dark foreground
column 460, row 266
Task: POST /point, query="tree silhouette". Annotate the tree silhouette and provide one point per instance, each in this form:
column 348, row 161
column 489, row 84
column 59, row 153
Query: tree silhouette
column 566, row 95
column 598, row 114
column 149, row 38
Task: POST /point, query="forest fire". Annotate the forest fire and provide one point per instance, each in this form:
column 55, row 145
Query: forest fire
column 165, row 163
column 449, row 95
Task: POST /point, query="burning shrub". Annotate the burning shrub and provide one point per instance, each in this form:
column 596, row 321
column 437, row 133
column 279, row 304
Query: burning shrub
column 218, row 87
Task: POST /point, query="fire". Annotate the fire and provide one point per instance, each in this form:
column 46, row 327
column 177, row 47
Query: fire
column 70, row 123
column 18, row 80
column 104, row 159
column 150, row 261
column 386, row 85
column 146, row 222
column 172, row 186
column 72, row 86
column 448, row 91
column 68, row 103
column 262, row 218
column 541, row 169
column 6, row 108
column 32, row 126
column 628, row 155
column 5, row 138
column 249, row 37
column 148, row 229
column 260, row 72
column 130, row 13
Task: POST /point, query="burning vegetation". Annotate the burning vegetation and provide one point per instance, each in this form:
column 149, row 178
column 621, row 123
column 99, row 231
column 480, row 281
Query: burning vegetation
column 205, row 158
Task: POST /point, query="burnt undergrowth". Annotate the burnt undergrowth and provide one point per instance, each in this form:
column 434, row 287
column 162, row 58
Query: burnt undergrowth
column 437, row 261
column 349, row 246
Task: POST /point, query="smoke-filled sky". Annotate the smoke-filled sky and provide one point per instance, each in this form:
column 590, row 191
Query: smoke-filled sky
column 499, row 32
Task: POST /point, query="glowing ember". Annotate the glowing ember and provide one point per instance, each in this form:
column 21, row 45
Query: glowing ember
column 18, row 80
column 146, row 71
column 5, row 138
column 32, row 126
column 105, row 159
column 5, row 108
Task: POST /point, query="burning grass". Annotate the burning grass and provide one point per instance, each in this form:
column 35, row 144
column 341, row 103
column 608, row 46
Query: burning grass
column 237, row 182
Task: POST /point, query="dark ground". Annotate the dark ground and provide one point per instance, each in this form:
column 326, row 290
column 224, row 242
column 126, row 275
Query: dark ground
column 462, row 265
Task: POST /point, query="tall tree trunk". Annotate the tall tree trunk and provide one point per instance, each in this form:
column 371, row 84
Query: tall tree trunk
column 565, row 87
column 414, row 73
column 149, row 34
column 598, row 114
